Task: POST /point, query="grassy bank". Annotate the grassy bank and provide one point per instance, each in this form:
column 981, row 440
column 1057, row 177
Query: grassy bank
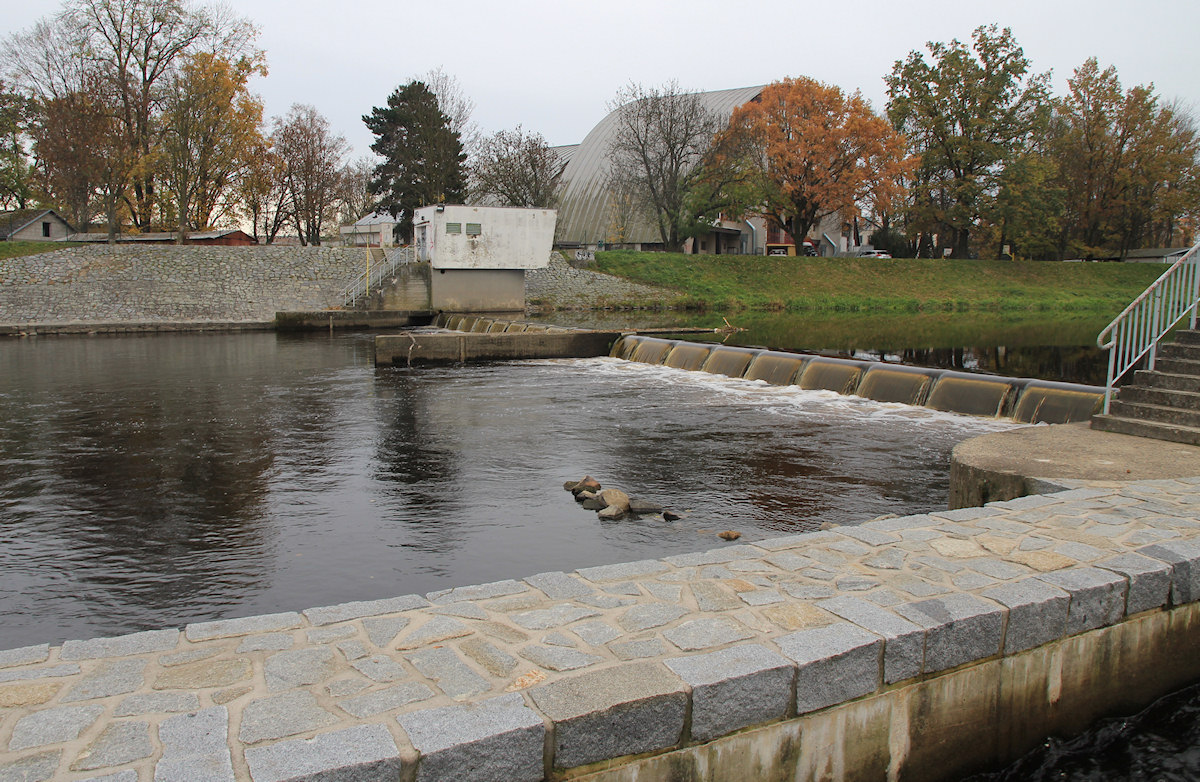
column 18, row 249
column 733, row 282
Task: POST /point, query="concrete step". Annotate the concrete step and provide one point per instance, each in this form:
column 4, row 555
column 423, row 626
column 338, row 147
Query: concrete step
column 1178, row 366
column 1176, row 434
column 1179, row 350
column 1185, row 400
column 1158, row 379
column 1157, row 413
column 1188, row 336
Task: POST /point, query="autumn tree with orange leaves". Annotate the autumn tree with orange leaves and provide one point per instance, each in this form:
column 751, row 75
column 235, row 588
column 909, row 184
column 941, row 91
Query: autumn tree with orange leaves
column 818, row 151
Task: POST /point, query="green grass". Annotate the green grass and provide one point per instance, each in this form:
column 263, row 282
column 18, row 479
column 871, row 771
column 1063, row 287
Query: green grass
column 740, row 282
column 18, row 249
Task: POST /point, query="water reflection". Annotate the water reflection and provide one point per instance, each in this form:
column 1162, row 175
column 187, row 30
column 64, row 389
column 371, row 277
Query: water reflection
column 152, row 480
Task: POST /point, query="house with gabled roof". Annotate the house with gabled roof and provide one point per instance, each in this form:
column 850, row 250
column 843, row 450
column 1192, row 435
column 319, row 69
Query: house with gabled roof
column 33, row 225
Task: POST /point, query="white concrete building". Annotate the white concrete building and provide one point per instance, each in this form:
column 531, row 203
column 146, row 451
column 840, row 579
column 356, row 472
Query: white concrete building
column 374, row 230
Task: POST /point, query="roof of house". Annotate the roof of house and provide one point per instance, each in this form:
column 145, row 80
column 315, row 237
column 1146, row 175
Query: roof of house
column 16, row 219
column 153, row 236
column 1155, row 252
column 586, row 204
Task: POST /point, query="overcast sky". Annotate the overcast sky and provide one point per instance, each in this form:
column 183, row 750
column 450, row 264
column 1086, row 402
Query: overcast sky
column 553, row 66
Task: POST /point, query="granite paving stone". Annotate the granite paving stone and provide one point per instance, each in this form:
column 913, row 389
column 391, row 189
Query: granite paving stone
column 595, row 632
column 381, row 631
column 668, row 593
column 632, row 708
column 639, row 649
column 706, row 633
column 1149, row 580
column 203, row 674
column 557, row 658
column 119, row 743
column 903, row 641
column 299, row 666
column 52, row 726
column 495, row 661
column 438, row 628
column 735, row 687
column 648, row 615
column 278, row 716
column 477, row 592
column 344, row 612
column 558, row 585
column 1037, row 613
column 1184, row 558
column 499, row 738
column 623, row 571
column 120, row 646
column 359, row 752
column 195, row 747
column 389, row 699
column 246, row 625
column 46, row 672
column 714, row 597
column 188, row 656
column 324, row 635
column 462, row 609
column 1097, row 596
column 25, row 655
column 32, row 768
column 606, row 601
column 353, row 650
column 268, row 642
column 381, row 668
column 834, row 663
column 555, row 616
column 960, row 628
column 449, row 672
column 157, row 702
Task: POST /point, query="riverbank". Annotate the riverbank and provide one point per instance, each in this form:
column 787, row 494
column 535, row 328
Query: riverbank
column 739, row 282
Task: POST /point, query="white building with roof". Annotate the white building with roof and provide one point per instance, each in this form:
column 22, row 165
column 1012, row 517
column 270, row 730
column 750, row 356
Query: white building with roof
column 375, row 230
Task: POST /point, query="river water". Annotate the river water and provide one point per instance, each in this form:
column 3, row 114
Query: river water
column 147, row 481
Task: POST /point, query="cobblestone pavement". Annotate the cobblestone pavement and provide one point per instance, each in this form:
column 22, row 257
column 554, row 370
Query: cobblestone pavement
column 562, row 286
column 104, row 284
column 628, row 658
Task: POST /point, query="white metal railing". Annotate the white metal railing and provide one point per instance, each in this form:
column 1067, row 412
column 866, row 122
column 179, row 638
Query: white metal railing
column 376, row 272
column 1137, row 331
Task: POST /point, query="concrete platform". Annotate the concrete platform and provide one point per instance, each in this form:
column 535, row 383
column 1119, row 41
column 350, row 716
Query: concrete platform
column 1038, row 459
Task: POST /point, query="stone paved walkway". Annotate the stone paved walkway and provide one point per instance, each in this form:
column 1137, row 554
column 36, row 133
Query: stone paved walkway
column 627, row 658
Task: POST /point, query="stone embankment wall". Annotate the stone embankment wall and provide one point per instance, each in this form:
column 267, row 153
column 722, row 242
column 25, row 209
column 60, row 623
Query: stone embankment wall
column 903, row 648
column 128, row 283
column 562, row 286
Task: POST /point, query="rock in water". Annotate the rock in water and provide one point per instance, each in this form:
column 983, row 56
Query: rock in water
column 611, row 512
column 570, row 485
column 614, row 498
column 594, row 503
column 644, row 507
column 729, row 535
column 670, row 515
column 587, row 484
column 584, row 496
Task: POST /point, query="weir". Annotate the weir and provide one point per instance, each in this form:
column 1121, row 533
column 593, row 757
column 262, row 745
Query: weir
column 1024, row 400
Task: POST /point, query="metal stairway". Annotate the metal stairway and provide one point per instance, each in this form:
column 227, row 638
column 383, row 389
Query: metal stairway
column 1163, row 402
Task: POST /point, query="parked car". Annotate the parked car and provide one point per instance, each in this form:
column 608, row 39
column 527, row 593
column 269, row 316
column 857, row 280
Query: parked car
column 874, row 254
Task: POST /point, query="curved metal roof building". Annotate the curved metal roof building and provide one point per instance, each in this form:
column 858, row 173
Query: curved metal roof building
column 586, row 213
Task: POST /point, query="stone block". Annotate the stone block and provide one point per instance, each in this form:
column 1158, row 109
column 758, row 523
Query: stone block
column 959, row 628
column 735, row 687
column 344, row 612
column 195, row 748
column 283, row 715
column 496, row 661
column 638, row 650
column 289, row 669
column 715, row 556
column 706, row 633
column 243, row 625
column 868, row 535
column 115, row 677
column 32, row 674
column 714, row 597
column 478, row 591
column 33, row 768
column 452, row 675
column 632, row 708
column 903, row 641
column 595, row 632
column 623, row 571
column 555, row 616
column 1037, row 613
column 120, row 743
column 496, row 739
column 834, row 663
column 52, row 726
column 380, row 668
column 157, row 703
column 386, row 700
column 437, row 629
column 24, row 656
column 324, row 635
column 463, row 609
column 120, row 646
column 1184, row 558
column 383, row 630
column 1149, row 580
column 204, row 674
column 1097, row 596
column 556, row 658
column 648, row 615
column 360, row 752
column 269, row 642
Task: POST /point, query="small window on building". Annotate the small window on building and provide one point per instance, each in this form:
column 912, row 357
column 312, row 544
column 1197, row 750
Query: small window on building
column 46, row 230
column 453, row 228
column 474, row 229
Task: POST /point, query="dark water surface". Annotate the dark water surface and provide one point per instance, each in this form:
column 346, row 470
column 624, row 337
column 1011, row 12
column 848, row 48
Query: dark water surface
column 147, row 481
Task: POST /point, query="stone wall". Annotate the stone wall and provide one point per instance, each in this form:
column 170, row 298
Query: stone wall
column 128, row 283
column 903, row 648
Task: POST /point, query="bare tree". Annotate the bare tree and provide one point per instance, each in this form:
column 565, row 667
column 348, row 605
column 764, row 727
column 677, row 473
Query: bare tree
column 661, row 138
column 515, row 168
column 455, row 104
column 312, row 156
column 264, row 193
column 356, row 197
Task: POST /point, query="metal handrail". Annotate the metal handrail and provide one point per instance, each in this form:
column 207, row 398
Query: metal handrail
column 362, row 284
column 1137, row 331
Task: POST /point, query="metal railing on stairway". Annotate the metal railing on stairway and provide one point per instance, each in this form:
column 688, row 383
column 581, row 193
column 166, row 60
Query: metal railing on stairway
column 1137, row 331
column 377, row 270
